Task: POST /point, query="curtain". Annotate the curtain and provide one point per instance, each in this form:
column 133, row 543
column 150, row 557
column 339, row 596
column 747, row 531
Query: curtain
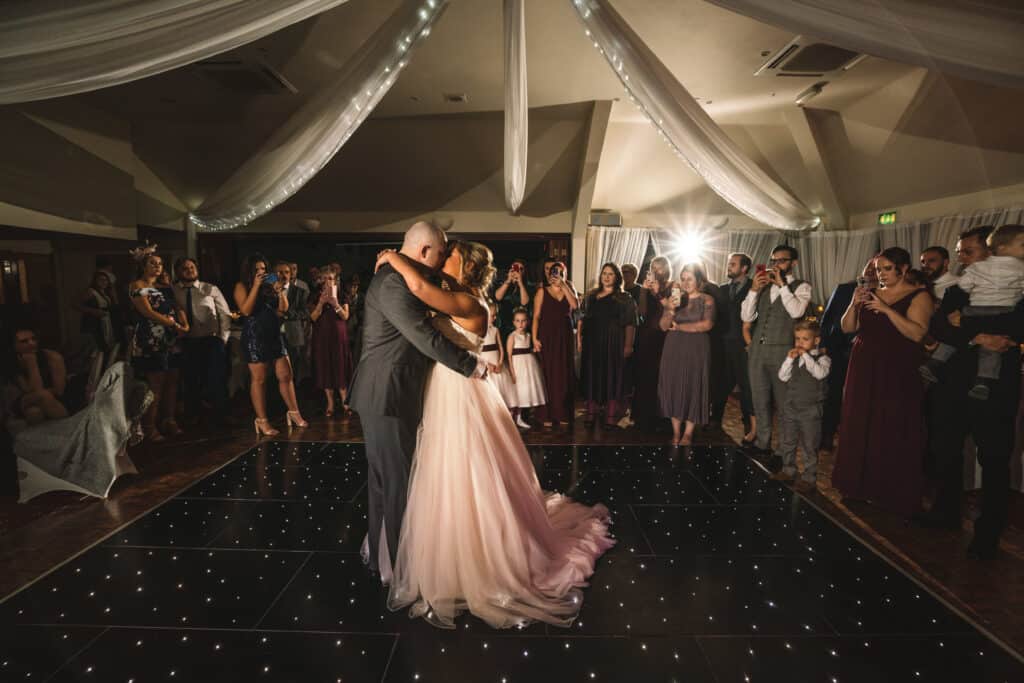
column 977, row 39
column 828, row 258
column 52, row 48
column 943, row 231
column 516, row 106
column 314, row 134
column 685, row 126
column 614, row 245
column 710, row 250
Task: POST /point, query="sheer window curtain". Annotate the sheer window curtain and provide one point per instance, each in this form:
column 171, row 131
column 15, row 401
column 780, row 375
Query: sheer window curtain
column 614, row 245
column 976, row 39
column 517, row 111
column 52, row 48
column 685, row 126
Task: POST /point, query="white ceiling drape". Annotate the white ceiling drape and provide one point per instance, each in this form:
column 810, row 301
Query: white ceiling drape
column 687, row 128
column 516, row 104
column 977, row 39
column 52, row 48
column 314, row 134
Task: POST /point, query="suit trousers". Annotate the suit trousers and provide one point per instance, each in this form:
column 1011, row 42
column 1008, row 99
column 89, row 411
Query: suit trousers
column 800, row 425
column 390, row 444
column 734, row 372
column 205, row 365
column 833, row 411
column 765, row 386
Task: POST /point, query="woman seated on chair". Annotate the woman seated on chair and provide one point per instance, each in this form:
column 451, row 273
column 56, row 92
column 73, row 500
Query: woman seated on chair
column 34, row 378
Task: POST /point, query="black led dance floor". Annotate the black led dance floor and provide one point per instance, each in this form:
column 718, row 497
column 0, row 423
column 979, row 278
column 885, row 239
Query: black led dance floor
column 720, row 575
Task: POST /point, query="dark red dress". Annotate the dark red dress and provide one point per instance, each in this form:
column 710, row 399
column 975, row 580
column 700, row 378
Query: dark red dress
column 882, row 435
column 650, row 339
column 557, row 346
column 330, row 350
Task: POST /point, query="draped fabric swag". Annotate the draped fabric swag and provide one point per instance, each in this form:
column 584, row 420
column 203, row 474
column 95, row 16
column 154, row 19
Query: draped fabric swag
column 977, row 39
column 314, row 134
column 52, row 48
column 686, row 127
column 516, row 104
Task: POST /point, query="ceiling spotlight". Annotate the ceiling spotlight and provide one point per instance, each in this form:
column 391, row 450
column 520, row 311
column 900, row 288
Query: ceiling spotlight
column 810, row 93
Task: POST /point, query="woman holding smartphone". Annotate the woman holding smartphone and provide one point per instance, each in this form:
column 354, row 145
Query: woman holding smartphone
column 261, row 300
column 553, row 306
column 332, row 357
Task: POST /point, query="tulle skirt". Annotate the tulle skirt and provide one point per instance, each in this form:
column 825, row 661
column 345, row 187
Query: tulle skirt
column 479, row 534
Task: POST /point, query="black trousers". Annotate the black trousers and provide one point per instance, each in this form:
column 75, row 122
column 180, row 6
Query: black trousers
column 733, row 372
column 833, row 410
column 204, row 369
column 952, row 416
column 390, row 444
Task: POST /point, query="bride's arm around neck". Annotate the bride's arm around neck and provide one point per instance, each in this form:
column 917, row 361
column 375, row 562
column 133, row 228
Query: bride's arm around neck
column 456, row 302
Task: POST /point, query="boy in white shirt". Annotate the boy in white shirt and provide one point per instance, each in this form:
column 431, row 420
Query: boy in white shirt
column 995, row 286
column 805, row 371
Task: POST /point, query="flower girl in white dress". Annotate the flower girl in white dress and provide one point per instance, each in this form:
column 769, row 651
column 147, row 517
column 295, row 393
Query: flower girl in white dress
column 498, row 372
column 525, row 369
column 479, row 533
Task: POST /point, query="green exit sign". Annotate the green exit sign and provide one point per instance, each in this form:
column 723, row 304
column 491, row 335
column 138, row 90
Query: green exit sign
column 887, row 218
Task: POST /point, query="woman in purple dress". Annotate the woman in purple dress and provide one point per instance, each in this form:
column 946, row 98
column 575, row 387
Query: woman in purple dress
column 882, row 437
column 553, row 305
column 332, row 355
column 605, row 339
column 683, row 381
column 650, row 339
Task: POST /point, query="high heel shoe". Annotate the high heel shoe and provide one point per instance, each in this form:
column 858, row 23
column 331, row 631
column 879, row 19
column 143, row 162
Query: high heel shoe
column 294, row 417
column 263, row 428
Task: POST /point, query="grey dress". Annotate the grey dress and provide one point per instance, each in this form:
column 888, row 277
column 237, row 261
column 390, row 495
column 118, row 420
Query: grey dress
column 683, row 382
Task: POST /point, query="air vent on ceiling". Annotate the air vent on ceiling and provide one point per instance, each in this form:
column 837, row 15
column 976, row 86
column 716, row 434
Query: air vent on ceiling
column 606, row 218
column 804, row 59
column 245, row 76
column 456, row 97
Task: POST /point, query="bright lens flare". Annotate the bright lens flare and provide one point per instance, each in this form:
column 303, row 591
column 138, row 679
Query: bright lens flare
column 689, row 247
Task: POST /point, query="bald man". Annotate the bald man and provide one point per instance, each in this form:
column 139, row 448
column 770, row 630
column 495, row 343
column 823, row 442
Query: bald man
column 399, row 349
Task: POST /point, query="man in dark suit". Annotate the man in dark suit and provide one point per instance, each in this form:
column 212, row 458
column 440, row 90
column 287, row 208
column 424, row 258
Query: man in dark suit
column 295, row 321
column 399, row 349
column 733, row 348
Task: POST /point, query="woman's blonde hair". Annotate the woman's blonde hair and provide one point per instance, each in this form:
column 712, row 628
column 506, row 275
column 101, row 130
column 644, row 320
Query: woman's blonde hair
column 477, row 264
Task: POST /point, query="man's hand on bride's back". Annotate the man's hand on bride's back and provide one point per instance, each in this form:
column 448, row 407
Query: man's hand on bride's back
column 383, row 257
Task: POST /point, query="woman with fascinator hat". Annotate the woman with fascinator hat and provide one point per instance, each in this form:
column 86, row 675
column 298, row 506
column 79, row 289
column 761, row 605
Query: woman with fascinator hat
column 158, row 322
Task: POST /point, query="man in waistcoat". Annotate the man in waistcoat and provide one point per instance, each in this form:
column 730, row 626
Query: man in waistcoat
column 734, row 351
column 776, row 300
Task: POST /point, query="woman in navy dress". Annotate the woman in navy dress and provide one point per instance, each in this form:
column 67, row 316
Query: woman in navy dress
column 261, row 304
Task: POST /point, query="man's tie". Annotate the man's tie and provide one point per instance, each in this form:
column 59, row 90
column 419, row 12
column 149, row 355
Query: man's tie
column 188, row 305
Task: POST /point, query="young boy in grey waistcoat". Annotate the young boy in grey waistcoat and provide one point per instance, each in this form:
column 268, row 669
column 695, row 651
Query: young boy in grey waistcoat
column 805, row 372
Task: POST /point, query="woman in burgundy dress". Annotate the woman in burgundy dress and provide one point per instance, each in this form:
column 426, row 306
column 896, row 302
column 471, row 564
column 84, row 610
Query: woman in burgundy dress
column 882, row 442
column 332, row 356
column 650, row 339
column 553, row 305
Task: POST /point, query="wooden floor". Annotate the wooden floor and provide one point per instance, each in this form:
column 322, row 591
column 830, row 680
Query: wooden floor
column 39, row 536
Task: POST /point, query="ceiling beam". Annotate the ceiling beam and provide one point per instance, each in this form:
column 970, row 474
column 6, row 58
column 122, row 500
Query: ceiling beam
column 804, row 127
column 596, row 130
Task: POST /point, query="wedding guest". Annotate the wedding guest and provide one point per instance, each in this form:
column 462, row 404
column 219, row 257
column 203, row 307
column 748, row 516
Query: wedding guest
column 837, row 344
column 952, row 416
column 511, row 294
column 881, row 443
column 117, row 313
column 734, row 348
column 159, row 323
column 332, row 355
column 204, row 359
column 492, row 351
column 355, row 317
column 295, row 323
column 553, row 307
column 261, row 305
column 605, row 339
column 935, row 265
column 96, row 308
column 684, row 378
column 34, row 378
column 524, row 369
column 293, row 269
column 805, row 372
column 777, row 298
column 650, row 339
column 716, row 367
column 629, row 285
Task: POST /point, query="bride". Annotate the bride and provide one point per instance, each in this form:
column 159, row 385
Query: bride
column 479, row 534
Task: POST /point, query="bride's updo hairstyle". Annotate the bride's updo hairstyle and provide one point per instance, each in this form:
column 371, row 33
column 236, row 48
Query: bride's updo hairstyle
column 477, row 264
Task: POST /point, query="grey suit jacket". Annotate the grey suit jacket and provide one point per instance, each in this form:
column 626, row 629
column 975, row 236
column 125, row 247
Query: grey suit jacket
column 400, row 346
column 295, row 320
